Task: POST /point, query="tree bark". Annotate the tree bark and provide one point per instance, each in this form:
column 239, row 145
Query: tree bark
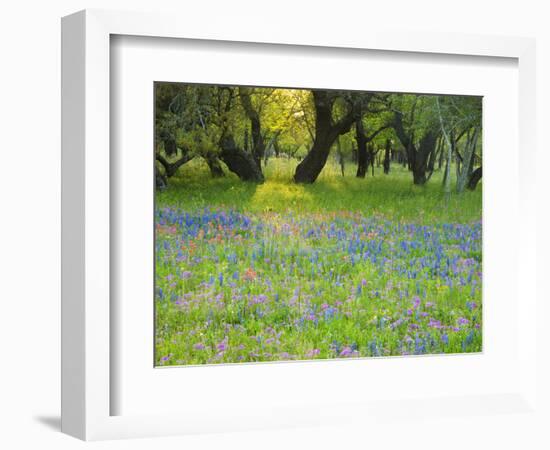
column 365, row 153
column 160, row 179
column 238, row 161
column 362, row 154
column 426, row 147
column 272, row 146
column 246, row 149
column 450, row 146
column 340, row 157
column 258, row 144
column 326, row 133
column 387, row 157
column 474, row 179
column 469, row 152
column 441, row 155
column 214, row 165
column 432, row 158
column 417, row 154
column 170, row 168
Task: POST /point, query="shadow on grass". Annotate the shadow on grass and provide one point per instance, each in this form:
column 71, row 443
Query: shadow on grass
column 390, row 196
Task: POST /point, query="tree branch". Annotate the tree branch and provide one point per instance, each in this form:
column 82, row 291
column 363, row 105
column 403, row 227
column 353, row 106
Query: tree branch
column 171, row 168
column 373, row 135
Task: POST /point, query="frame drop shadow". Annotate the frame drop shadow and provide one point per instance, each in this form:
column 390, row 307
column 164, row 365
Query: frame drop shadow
column 51, row 422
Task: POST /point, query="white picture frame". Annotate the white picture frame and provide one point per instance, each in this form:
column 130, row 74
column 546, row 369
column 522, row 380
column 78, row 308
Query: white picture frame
column 87, row 386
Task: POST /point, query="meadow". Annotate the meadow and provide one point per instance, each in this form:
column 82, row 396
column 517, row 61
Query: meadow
column 341, row 268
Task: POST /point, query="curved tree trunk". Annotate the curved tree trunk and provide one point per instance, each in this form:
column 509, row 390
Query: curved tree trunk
column 326, row 133
column 238, row 161
column 170, row 168
column 474, row 179
column 426, row 147
column 417, row 154
column 468, row 158
column 214, row 165
column 309, row 169
column 432, row 158
column 258, row 144
column 365, row 154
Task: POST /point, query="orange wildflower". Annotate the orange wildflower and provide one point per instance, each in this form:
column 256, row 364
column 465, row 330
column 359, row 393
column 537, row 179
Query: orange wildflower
column 250, row 274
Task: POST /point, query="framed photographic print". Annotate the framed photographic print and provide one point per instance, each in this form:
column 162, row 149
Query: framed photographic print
column 268, row 231
column 267, row 250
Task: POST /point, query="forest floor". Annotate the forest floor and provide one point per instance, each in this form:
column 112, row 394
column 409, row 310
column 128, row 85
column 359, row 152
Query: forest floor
column 341, row 268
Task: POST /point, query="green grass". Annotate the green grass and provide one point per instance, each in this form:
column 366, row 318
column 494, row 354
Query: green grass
column 340, row 268
column 393, row 196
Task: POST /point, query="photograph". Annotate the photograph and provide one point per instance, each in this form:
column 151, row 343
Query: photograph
column 297, row 224
column 263, row 226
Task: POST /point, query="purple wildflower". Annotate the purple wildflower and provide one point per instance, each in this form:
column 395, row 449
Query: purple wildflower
column 346, row 351
column 186, row 274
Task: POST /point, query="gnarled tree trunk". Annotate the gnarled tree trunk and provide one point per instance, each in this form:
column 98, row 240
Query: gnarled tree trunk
column 258, row 144
column 365, row 153
column 238, row 161
column 214, row 165
column 170, row 168
column 467, row 166
column 326, row 133
column 433, row 157
column 425, row 148
column 474, row 179
column 417, row 154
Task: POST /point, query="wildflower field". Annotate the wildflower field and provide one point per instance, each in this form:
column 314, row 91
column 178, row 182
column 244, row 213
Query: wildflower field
column 342, row 268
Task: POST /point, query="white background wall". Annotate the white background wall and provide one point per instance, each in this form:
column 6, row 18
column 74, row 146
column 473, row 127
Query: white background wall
column 30, row 195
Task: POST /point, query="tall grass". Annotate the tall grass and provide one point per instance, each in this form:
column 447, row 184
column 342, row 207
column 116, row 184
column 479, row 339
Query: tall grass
column 393, row 196
column 344, row 267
